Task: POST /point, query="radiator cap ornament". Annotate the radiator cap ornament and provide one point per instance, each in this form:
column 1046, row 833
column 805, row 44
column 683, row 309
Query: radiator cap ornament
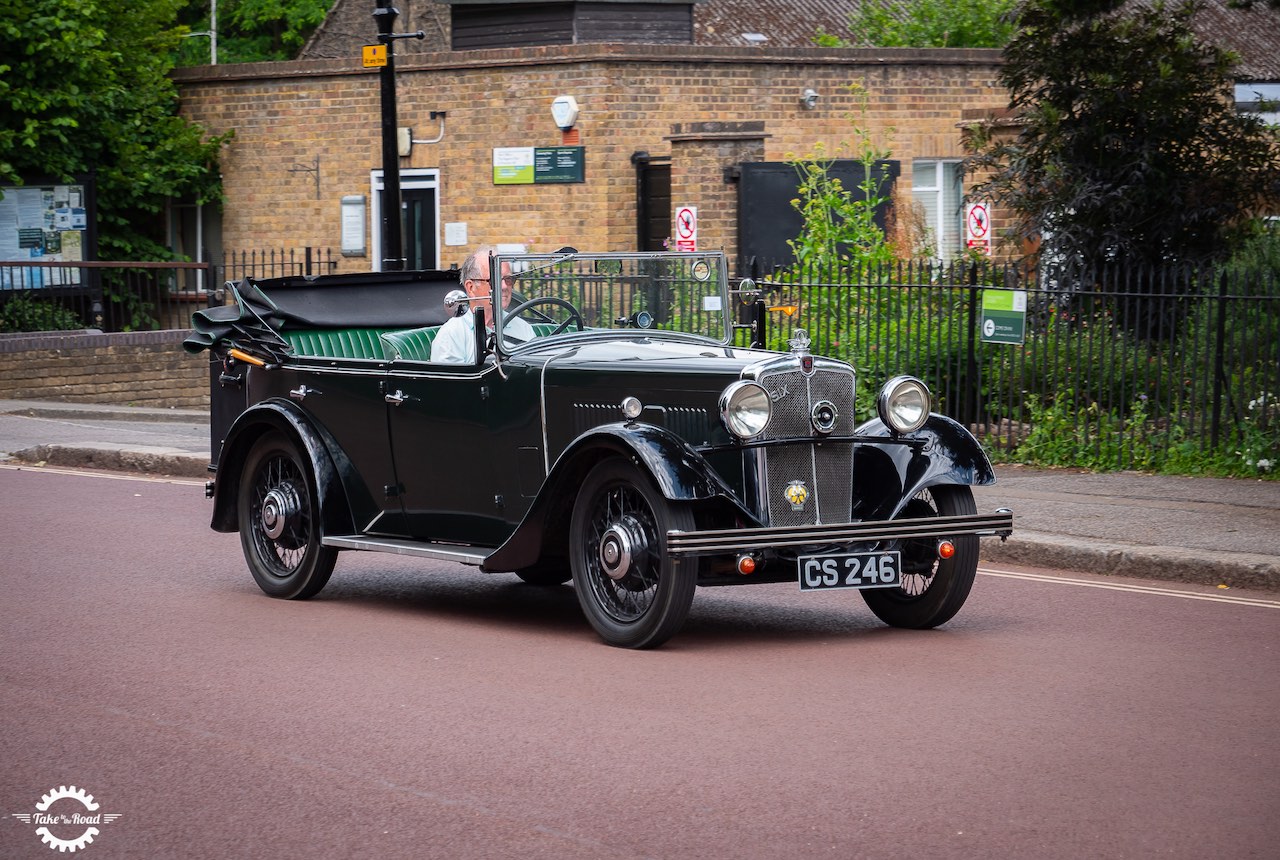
column 799, row 344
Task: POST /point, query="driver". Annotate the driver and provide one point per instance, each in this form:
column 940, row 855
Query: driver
column 455, row 342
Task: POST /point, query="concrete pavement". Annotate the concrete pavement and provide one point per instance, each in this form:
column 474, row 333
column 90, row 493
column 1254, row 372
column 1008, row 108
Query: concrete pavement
column 1210, row 531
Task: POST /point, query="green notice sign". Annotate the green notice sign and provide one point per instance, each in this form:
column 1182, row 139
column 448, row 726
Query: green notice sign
column 536, row 165
column 1004, row 316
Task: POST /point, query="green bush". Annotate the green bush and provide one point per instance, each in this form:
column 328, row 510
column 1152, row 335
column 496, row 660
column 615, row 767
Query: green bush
column 25, row 313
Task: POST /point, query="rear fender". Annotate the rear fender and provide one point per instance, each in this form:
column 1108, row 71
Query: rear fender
column 886, row 476
column 287, row 418
column 679, row 472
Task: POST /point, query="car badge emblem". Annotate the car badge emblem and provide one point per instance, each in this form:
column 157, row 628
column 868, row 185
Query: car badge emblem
column 778, row 393
column 797, row 494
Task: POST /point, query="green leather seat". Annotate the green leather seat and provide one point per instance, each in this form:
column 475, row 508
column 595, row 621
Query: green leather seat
column 337, row 343
column 410, row 345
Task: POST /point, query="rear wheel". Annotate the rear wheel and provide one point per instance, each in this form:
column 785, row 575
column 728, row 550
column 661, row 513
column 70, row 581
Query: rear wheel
column 933, row 589
column 280, row 521
column 633, row 593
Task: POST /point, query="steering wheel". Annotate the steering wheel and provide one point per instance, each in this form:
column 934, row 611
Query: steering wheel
column 574, row 316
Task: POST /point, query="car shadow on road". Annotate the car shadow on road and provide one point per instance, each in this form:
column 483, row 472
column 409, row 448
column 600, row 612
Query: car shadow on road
column 719, row 617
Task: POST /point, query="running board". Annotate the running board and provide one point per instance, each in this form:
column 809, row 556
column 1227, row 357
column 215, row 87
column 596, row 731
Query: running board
column 754, row 539
column 398, row 546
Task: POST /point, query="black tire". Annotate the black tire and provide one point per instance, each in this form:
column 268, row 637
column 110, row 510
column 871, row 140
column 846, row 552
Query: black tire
column 280, row 521
column 933, row 589
column 632, row 592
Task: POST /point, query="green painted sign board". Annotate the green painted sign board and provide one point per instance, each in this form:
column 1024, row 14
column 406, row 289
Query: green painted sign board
column 1004, row 316
column 537, row 165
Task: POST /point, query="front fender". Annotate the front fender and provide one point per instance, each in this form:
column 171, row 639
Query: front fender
column 679, row 472
column 886, row 476
column 247, row 429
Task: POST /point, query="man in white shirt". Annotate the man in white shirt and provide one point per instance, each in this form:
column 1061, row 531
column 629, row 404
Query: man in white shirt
column 455, row 342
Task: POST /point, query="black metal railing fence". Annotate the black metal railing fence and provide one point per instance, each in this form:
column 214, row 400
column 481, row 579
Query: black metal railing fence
column 110, row 296
column 115, row 296
column 277, row 262
column 1125, row 367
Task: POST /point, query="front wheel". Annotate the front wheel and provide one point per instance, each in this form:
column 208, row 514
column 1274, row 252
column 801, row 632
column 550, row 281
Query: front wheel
column 280, row 521
column 633, row 593
column 933, row 589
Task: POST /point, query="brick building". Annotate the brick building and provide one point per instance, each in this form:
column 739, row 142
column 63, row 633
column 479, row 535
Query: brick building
column 308, row 138
column 680, row 97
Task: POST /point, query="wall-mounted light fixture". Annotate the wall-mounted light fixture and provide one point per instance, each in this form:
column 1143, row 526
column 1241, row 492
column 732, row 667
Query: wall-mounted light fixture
column 405, row 139
column 809, row 98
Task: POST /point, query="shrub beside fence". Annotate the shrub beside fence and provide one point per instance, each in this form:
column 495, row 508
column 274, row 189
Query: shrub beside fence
column 1172, row 370
column 127, row 296
column 104, row 295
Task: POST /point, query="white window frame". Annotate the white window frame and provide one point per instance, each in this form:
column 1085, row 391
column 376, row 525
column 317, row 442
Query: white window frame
column 934, row 199
column 410, row 178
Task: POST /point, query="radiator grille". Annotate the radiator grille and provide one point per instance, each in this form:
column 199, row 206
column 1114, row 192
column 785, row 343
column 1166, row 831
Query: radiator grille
column 825, row 469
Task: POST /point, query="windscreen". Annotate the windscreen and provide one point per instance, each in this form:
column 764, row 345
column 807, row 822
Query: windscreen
column 562, row 295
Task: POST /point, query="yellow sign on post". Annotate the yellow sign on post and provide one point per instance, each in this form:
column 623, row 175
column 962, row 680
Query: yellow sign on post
column 375, row 55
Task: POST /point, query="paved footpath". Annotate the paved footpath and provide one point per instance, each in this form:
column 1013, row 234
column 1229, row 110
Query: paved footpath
column 1211, row 531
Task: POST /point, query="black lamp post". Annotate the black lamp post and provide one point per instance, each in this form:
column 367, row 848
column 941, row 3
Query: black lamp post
column 392, row 240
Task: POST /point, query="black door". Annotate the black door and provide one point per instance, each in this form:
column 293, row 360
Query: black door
column 766, row 218
column 419, row 208
column 653, row 202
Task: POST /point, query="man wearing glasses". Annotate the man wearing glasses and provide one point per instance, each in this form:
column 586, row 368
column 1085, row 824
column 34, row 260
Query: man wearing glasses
column 455, row 343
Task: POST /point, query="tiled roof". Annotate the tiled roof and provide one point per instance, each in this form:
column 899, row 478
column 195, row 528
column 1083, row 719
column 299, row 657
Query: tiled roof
column 783, row 23
column 1252, row 32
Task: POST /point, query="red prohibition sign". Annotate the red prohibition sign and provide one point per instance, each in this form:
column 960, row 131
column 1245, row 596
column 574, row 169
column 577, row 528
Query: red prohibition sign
column 978, row 221
column 684, row 223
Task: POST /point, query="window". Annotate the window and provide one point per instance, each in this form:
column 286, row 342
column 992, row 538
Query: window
column 1260, row 98
column 936, row 186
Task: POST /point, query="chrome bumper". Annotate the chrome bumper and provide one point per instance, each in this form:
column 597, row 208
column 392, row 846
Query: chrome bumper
column 756, row 539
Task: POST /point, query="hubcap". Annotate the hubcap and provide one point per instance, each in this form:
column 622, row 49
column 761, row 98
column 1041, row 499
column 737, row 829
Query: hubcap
column 281, row 505
column 619, row 546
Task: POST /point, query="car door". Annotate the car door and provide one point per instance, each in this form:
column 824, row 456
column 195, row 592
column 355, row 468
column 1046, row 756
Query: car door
column 468, row 448
column 346, row 402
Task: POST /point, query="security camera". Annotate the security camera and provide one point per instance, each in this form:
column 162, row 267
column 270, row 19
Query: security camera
column 809, row 98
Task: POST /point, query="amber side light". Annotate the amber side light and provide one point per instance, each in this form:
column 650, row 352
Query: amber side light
column 946, row 549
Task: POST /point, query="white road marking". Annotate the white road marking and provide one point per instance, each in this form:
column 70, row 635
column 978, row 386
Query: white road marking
column 1139, row 589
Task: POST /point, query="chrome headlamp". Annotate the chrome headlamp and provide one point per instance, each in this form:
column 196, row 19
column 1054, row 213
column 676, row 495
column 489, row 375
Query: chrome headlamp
column 904, row 404
column 744, row 409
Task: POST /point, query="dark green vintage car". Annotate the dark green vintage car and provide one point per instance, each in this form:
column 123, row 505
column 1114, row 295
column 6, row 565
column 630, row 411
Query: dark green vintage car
column 641, row 444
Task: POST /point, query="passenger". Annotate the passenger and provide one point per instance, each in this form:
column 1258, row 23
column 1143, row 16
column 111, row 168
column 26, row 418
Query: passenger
column 455, row 343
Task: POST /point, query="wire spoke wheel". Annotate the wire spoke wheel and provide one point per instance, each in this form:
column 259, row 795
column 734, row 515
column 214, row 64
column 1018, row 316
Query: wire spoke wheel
column 279, row 521
column 933, row 589
column 632, row 592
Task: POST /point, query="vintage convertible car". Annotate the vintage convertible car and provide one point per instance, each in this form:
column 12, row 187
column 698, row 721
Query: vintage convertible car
column 641, row 444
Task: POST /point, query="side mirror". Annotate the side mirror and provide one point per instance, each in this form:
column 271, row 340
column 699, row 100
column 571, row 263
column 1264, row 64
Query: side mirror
column 456, row 302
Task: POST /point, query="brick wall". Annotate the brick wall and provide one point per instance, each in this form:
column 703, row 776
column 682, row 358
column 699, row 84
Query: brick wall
column 139, row 368
column 632, row 97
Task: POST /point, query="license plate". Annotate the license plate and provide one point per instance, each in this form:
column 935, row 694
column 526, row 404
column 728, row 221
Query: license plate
column 850, row 570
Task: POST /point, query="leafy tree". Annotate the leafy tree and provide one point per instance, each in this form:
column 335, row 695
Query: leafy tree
column 926, row 24
column 1129, row 148
column 839, row 225
column 84, row 89
column 253, row 30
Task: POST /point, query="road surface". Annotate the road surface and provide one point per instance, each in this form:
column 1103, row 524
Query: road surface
column 424, row 710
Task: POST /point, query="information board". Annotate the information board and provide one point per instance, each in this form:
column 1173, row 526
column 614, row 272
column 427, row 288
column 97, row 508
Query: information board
column 537, row 165
column 44, row 222
column 1004, row 316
